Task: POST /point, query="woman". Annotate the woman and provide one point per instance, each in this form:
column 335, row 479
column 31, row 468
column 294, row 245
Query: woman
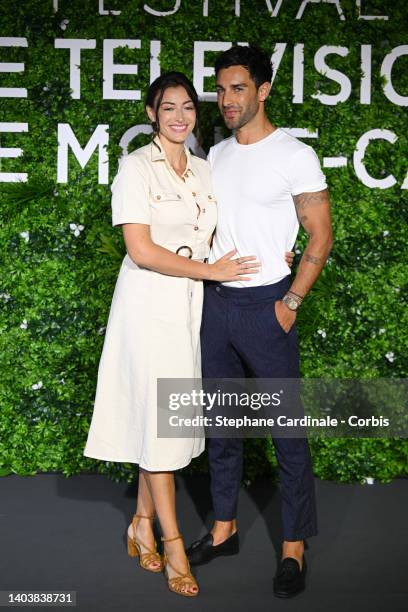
column 162, row 197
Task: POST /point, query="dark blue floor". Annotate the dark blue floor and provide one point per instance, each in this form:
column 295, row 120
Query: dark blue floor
column 60, row 533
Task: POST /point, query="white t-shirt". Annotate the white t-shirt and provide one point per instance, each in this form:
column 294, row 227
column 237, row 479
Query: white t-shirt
column 254, row 185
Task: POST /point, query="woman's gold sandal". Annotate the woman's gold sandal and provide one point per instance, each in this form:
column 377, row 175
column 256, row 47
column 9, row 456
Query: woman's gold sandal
column 177, row 583
column 134, row 548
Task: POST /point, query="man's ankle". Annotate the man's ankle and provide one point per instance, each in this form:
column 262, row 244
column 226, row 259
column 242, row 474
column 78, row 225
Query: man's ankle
column 293, row 549
column 295, row 545
column 222, row 530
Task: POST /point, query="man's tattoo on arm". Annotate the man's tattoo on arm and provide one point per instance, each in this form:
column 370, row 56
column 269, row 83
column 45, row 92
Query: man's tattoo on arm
column 312, row 259
column 305, row 200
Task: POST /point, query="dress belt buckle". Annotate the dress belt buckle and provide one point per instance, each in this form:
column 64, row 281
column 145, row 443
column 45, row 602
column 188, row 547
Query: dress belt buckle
column 185, row 247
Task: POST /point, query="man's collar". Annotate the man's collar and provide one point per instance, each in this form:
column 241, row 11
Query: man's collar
column 158, row 153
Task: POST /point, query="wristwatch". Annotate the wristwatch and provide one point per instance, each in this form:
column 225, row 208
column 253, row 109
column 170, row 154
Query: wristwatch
column 291, row 301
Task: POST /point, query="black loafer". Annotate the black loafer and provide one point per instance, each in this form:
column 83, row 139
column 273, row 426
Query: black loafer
column 202, row 551
column 289, row 579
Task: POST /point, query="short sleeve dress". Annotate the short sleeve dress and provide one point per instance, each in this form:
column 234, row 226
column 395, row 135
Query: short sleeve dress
column 153, row 330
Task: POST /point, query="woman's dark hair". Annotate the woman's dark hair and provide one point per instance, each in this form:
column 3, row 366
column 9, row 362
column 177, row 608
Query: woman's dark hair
column 255, row 60
column 158, row 87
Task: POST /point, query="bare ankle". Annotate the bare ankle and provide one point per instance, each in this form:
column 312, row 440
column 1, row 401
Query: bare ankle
column 222, row 530
column 176, row 552
column 225, row 526
column 295, row 549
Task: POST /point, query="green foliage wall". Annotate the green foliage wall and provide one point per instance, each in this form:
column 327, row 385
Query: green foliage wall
column 57, row 281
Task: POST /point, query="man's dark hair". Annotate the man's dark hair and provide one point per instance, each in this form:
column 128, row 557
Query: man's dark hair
column 156, row 91
column 255, row 60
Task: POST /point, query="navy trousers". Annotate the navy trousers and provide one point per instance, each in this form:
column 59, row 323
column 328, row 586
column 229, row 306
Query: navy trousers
column 240, row 336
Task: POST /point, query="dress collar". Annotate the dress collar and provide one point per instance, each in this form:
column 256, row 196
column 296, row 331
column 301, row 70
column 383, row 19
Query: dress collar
column 158, row 154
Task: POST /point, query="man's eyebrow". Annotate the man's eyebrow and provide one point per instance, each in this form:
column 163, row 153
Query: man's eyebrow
column 232, row 85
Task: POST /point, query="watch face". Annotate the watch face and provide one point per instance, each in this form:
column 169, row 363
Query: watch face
column 291, row 303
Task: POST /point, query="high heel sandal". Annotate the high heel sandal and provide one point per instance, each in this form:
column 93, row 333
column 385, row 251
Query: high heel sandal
column 134, row 548
column 176, row 583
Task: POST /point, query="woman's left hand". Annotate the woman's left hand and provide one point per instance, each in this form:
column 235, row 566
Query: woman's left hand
column 289, row 257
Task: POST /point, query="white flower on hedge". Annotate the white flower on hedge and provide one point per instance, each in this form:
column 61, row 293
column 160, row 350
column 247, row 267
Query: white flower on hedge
column 369, row 480
column 38, row 385
column 24, row 324
column 321, row 332
column 25, row 235
column 298, row 251
column 64, row 23
column 101, row 330
column 62, row 381
column 76, row 229
column 5, row 296
column 390, row 356
column 385, row 233
column 381, row 330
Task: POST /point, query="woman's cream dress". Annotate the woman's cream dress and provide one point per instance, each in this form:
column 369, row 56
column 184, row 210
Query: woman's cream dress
column 153, row 330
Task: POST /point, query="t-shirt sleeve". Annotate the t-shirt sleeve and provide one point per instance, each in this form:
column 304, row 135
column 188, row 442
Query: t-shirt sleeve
column 305, row 172
column 130, row 194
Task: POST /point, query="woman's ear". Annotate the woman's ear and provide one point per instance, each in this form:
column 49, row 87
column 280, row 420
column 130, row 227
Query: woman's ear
column 150, row 113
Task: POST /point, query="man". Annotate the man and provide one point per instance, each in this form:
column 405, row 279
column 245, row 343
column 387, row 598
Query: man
column 265, row 182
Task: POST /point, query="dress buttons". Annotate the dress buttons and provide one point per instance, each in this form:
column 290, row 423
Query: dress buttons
column 179, row 196
column 210, row 197
column 158, row 197
column 218, row 289
column 203, row 210
column 194, row 193
column 196, row 227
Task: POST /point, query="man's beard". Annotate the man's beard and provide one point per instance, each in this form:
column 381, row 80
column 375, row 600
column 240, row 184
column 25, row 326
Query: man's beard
column 241, row 120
